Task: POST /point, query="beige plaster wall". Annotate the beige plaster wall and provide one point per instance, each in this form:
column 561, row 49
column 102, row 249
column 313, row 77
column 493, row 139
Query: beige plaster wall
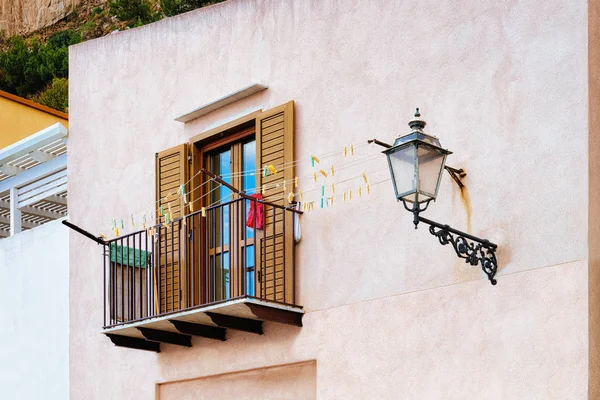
column 390, row 312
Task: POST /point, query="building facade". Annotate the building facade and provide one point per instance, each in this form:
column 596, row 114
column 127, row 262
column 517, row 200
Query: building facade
column 357, row 303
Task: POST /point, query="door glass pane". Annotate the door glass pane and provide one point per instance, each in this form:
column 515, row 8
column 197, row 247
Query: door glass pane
column 220, row 164
column 250, row 270
column 249, row 176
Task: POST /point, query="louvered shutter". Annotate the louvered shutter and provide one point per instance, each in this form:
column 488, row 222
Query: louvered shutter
column 171, row 171
column 275, row 146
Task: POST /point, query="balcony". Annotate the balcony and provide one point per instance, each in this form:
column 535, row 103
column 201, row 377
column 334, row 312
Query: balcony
column 200, row 275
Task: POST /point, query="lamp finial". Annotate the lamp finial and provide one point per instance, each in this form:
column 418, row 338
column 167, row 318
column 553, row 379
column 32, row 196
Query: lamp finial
column 417, row 114
column 417, row 123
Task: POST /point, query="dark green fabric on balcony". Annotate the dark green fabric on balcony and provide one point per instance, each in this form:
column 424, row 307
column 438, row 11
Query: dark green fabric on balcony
column 129, row 256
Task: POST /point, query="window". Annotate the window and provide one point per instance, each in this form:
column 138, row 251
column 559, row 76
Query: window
column 216, row 257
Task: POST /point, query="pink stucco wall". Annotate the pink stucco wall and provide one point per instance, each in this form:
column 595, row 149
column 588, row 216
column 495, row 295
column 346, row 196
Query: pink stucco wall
column 390, row 312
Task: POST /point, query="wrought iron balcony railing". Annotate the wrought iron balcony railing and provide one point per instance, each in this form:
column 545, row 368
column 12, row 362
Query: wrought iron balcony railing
column 204, row 258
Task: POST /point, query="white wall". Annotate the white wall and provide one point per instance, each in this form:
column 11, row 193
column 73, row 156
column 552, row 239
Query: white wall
column 34, row 314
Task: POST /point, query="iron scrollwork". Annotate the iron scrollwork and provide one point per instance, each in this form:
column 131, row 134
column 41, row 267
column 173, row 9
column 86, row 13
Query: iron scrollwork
column 473, row 252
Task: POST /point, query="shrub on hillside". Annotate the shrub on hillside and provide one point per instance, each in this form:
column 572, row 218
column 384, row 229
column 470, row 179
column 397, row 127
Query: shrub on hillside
column 174, row 7
column 135, row 12
column 55, row 95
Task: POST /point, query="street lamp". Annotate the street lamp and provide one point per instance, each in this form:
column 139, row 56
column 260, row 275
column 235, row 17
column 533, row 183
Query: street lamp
column 416, row 163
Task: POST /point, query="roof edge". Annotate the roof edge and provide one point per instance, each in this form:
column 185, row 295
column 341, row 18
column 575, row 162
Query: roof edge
column 33, row 104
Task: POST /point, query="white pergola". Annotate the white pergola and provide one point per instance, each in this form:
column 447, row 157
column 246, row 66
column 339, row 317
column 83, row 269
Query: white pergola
column 33, row 180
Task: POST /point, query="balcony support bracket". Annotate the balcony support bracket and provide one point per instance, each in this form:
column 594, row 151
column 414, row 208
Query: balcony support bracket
column 276, row 314
column 241, row 324
column 156, row 335
column 205, row 331
column 133, row 343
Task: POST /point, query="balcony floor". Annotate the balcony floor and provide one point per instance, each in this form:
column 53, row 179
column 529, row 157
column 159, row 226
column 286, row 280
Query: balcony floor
column 210, row 321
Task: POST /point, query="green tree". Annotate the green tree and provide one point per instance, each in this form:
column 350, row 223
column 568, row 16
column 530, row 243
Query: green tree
column 135, row 12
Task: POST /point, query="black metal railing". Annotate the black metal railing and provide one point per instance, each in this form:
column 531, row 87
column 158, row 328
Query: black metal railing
column 221, row 253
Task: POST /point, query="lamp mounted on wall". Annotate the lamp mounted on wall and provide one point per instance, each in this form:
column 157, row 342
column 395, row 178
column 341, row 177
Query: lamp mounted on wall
column 416, row 163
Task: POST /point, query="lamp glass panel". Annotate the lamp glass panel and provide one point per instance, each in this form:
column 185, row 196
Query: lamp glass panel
column 402, row 163
column 431, row 162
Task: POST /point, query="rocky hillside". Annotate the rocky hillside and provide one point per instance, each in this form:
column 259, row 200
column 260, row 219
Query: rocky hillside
column 27, row 16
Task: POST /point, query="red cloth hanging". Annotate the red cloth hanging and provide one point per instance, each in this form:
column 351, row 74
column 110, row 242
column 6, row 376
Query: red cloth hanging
column 256, row 213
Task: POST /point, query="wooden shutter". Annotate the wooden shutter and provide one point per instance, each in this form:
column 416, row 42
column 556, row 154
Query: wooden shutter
column 172, row 168
column 275, row 146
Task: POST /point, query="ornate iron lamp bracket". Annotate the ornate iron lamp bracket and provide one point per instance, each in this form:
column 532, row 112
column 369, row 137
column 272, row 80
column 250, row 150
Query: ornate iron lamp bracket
column 472, row 249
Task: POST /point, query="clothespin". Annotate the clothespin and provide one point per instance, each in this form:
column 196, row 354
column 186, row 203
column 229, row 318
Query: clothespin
column 301, row 195
column 332, row 171
column 350, row 196
column 291, row 197
column 117, row 232
column 162, row 211
column 322, row 191
column 102, row 236
column 167, row 219
column 359, row 192
column 345, row 195
column 122, row 224
column 168, row 195
column 332, row 197
column 314, row 176
column 264, row 190
column 183, row 194
column 132, row 221
column 323, row 173
column 314, row 159
column 332, row 187
column 345, row 151
column 365, row 177
column 322, row 198
column 284, row 189
column 203, row 211
column 303, row 206
column 264, row 171
column 368, row 189
column 272, row 169
column 170, row 211
column 296, row 182
column 352, row 149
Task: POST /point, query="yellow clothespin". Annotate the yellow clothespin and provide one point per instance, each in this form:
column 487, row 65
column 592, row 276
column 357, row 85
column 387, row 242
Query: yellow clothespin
column 368, row 189
column 352, row 149
column 168, row 195
column 350, row 196
column 345, row 151
column 116, row 232
column 102, row 236
column 291, row 197
column 314, row 176
column 314, row 159
column 332, row 171
column 359, row 192
column 323, row 173
column 191, row 206
column 132, row 221
column 345, row 196
column 264, row 190
column 301, row 195
column 365, row 177
column 272, row 169
column 203, row 211
column 170, row 212
column 303, row 206
column 333, row 188
column 284, row 186
column 332, row 197
column 296, row 182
